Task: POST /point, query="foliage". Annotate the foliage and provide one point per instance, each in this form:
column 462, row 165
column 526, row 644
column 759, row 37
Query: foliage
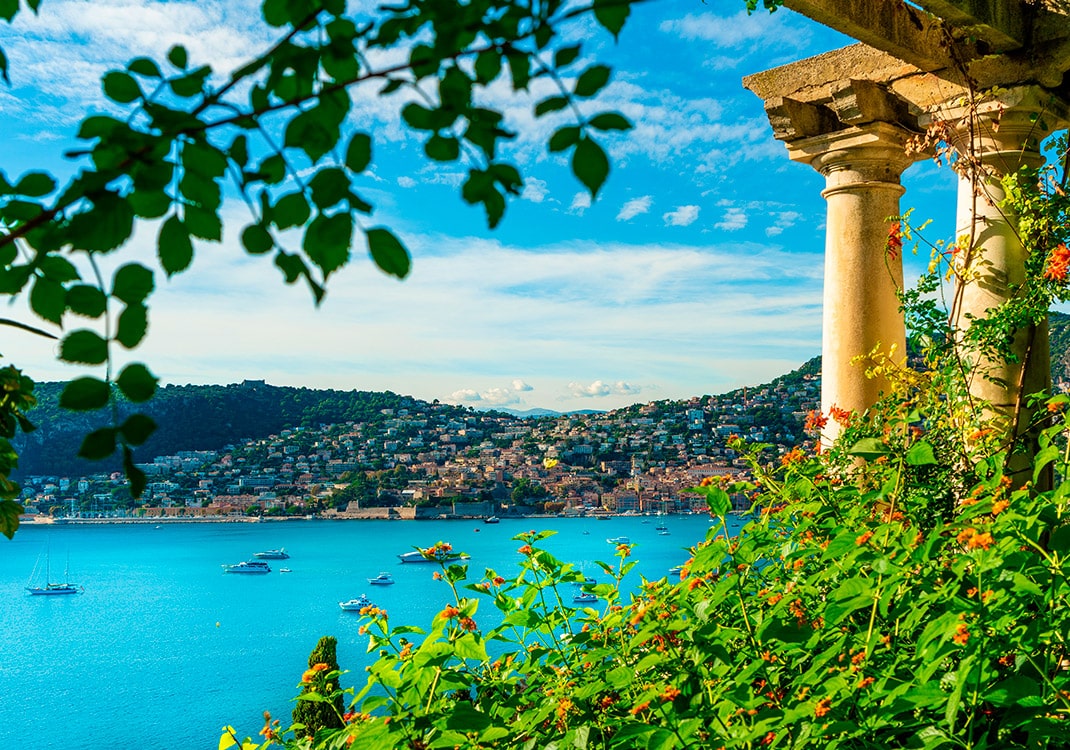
column 855, row 610
column 278, row 134
column 320, row 704
column 16, row 396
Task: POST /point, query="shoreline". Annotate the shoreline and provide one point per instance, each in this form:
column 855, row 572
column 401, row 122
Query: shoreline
column 161, row 520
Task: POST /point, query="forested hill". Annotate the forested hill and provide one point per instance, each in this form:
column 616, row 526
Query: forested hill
column 198, row 417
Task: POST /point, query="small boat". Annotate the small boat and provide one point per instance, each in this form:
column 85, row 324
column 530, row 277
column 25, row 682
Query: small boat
column 356, row 605
column 661, row 527
column 587, row 581
column 285, row 570
column 254, row 567
column 416, row 556
column 272, row 554
column 676, row 570
column 619, row 540
column 586, row 533
column 383, row 579
column 663, row 533
column 585, row 597
column 492, row 519
column 50, row 588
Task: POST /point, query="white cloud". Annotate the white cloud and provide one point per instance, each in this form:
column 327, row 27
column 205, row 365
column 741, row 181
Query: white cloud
column 534, row 190
column 600, row 389
column 782, row 220
column 683, row 216
column 466, row 395
column 580, row 202
column 520, row 386
column 406, row 182
column 734, row 220
column 635, row 207
column 735, row 31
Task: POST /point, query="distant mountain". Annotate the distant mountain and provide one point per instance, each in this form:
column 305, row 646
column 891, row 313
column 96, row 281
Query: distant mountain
column 523, row 413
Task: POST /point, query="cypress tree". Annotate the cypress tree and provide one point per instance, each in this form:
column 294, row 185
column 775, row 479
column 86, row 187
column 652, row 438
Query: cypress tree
column 315, row 715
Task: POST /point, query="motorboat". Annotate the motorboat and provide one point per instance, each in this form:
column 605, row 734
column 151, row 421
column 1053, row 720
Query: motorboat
column 356, row 605
column 663, row 533
column 439, row 555
column 619, row 540
column 383, row 579
column 676, row 570
column 587, row 581
column 272, row 554
column 285, row 570
column 492, row 519
column 585, row 597
column 248, row 567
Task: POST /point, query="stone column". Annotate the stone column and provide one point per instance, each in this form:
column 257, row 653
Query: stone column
column 862, row 166
column 1000, row 137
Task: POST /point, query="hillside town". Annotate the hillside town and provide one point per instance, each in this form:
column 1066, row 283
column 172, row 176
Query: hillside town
column 425, row 461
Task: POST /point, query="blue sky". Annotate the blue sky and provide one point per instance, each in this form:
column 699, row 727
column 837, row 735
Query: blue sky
column 698, row 269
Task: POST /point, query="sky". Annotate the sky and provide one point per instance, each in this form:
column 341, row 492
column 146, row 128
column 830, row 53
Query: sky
column 697, row 270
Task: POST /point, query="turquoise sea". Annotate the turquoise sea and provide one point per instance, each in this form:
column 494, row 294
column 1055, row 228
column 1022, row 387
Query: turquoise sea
column 163, row 649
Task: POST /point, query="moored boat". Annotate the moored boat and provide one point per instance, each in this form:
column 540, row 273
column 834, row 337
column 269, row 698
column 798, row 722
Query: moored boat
column 619, row 540
column 585, row 597
column 441, row 552
column 272, row 554
column 248, row 567
column 356, row 605
column 52, row 588
column 383, row 579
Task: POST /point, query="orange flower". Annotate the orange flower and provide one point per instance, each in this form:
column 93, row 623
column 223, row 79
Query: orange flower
column 468, row 623
column 308, row 676
column 894, row 243
column 669, row 694
column 823, row 707
column 498, row 580
column 1058, row 263
column 865, row 683
column 624, row 550
column 449, row 612
column 965, row 535
column 962, row 634
column 525, row 550
column 640, row 707
column 982, row 541
column 999, row 506
column 794, row 456
column 863, row 538
column 815, row 421
column 437, row 575
column 842, row 416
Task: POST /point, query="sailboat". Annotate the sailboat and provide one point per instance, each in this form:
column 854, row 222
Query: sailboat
column 50, row 588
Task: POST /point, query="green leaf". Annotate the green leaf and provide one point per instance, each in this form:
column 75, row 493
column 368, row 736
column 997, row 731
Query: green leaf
column 417, row 116
column 869, row 448
column 35, row 184
column 48, row 299
column 920, row 454
column 566, row 55
column 388, row 252
column 592, row 80
column 87, row 300
column 137, row 383
column 132, row 283
column 8, row 9
column 203, row 159
column 84, row 347
column 256, row 240
column 590, row 165
column 564, row 138
column 203, row 223
column 174, row 247
column 313, row 132
column 442, row 148
column 488, row 65
column 121, row 87
column 178, row 56
column 291, row 210
column 272, row 169
column 98, row 444
column 719, row 502
column 359, row 152
column 612, row 14
column 133, row 323
column 329, row 186
column 137, row 428
column 519, row 70
column 327, row 240
column 149, row 204
column 610, row 121
column 5, row 79
column 57, row 268
column 85, row 394
column 550, row 104
column 134, row 475
column 106, row 226
column 143, row 66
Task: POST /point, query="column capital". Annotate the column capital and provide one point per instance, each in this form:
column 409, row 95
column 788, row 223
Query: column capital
column 874, row 155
